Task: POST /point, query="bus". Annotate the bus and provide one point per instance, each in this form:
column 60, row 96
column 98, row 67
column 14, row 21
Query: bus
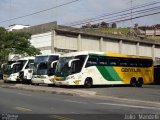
column 20, row 70
column 6, row 69
column 103, row 68
column 44, row 69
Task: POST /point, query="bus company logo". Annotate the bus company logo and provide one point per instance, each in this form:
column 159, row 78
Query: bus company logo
column 130, row 70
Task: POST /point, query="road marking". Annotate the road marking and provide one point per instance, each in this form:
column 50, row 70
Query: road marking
column 75, row 101
column 23, row 109
column 24, row 94
column 60, row 117
column 131, row 106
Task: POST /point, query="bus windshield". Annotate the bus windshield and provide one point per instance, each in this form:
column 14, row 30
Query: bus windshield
column 18, row 66
column 63, row 69
column 41, row 59
column 40, row 69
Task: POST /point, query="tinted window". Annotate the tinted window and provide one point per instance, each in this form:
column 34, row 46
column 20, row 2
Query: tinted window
column 53, row 58
column 103, row 61
column 145, row 63
column 30, row 61
column 92, row 61
column 123, row 62
column 113, row 61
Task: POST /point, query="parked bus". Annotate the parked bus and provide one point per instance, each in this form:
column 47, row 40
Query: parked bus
column 6, row 69
column 103, row 68
column 20, row 70
column 44, row 69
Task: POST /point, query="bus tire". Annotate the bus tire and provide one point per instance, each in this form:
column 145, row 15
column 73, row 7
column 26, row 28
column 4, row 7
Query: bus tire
column 140, row 82
column 133, row 82
column 88, row 83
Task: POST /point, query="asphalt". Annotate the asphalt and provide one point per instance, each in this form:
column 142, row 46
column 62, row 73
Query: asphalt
column 63, row 107
column 146, row 94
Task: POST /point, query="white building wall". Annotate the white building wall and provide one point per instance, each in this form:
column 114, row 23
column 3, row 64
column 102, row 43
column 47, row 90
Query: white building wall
column 157, row 52
column 145, row 50
column 90, row 44
column 41, row 40
column 66, row 42
column 45, row 52
column 128, row 48
column 111, row 46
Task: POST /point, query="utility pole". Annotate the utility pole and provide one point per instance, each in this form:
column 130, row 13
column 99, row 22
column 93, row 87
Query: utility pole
column 131, row 2
column 131, row 11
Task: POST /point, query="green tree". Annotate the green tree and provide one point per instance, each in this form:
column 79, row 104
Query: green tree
column 15, row 43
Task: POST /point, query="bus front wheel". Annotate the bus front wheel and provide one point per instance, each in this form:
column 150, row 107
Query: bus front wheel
column 88, row 83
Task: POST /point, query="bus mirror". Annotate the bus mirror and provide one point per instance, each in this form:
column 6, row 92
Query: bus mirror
column 14, row 64
column 70, row 62
column 3, row 65
column 53, row 63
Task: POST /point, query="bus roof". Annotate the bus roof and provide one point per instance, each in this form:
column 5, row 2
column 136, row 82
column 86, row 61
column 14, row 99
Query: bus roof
column 26, row 58
column 104, row 54
column 49, row 54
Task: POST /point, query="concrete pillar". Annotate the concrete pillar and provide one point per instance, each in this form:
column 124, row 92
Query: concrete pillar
column 153, row 52
column 101, row 49
column 79, row 43
column 53, row 41
column 137, row 49
column 120, row 46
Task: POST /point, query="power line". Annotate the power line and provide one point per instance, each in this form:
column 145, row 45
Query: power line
column 123, row 14
column 38, row 12
column 110, row 14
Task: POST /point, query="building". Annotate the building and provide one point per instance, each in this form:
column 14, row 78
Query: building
column 53, row 38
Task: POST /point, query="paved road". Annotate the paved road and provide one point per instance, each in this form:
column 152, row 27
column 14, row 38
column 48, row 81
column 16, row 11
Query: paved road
column 146, row 93
column 25, row 102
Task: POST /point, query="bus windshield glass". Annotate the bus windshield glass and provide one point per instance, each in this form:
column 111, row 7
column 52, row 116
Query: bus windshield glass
column 40, row 69
column 41, row 59
column 63, row 69
column 18, row 66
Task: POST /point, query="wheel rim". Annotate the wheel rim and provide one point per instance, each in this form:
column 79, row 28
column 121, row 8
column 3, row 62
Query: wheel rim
column 88, row 83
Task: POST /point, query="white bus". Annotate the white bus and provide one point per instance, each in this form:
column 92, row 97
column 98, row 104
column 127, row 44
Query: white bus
column 20, row 70
column 44, row 69
column 103, row 68
column 6, row 69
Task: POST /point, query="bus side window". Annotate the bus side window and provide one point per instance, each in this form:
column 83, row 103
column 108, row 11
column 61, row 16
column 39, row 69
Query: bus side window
column 145, row 63
column 30, row 61
column 123, row 62
column 133, row 62
column 103, row 61
column 113, row 62
column 92, row 61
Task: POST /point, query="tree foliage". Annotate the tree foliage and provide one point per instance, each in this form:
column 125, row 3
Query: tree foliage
column 15, row 43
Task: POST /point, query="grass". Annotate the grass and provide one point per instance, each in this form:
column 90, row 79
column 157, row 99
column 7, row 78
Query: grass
column 153, row 37
column 119, row 31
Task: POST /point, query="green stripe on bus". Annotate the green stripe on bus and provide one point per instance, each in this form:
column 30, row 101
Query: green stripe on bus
column 109, row 73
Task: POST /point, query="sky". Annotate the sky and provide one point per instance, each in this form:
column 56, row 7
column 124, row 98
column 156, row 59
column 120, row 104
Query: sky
column 64, row 15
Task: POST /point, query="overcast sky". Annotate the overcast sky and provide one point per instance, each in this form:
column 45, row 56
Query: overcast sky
column 79, row 10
